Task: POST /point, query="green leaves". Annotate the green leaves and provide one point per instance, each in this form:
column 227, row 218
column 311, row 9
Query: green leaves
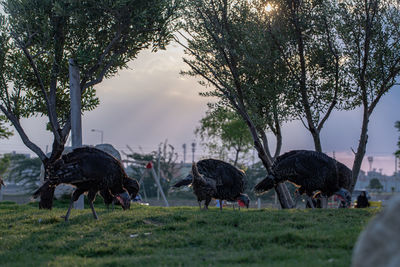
column 37, row 39
column 4, row 131
column 102, row 36
column 223, row 132
column 370, row 35
column 19, row 168
column 230, row 48
column 375, row 184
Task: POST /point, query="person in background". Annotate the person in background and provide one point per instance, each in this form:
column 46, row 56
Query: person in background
column 362, row 200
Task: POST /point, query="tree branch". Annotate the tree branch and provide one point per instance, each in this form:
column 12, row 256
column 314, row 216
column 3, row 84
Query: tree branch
column 265, row 144
column 52, row 116
column 100, row 61
column 278, row 134
column 98, row 79
column 23, row 135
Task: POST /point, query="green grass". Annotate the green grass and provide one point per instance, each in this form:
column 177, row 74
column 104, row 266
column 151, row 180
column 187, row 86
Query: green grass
column 181, row 236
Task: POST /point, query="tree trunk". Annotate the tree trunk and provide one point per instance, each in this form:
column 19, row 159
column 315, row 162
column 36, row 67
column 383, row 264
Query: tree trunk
column 236, row 157
column 362, row 144
column 316, row 139
column 284, row 197
column 46, row 197
column 47, row 194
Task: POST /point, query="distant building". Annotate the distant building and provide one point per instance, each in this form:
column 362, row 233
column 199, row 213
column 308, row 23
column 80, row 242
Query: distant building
column 389, row 183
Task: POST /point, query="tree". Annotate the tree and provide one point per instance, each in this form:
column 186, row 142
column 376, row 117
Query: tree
column 164, row 164
column 308, row 45
column 369, row 31
column 222, row 131
column 41, row 36
column 229, row 51
column 374, row 183
column 4, row 164
column 4, row 131
column 22, row 170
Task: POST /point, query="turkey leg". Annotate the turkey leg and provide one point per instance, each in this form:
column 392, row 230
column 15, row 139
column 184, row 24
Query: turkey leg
column 91, row 197
column 207, row 202
column 309, row 200
column 75, row 196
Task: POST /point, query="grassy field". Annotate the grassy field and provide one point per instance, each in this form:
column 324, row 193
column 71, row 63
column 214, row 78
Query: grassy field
column 178, row 236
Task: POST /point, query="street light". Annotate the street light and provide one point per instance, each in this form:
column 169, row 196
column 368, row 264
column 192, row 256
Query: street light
column 101, row 132
column 193, row 150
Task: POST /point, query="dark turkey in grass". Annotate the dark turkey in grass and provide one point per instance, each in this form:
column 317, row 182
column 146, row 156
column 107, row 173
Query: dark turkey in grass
column 211, row 178
column 89, row 170
column 312, row 171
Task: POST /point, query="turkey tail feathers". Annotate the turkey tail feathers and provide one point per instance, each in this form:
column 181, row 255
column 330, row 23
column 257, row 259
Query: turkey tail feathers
column 183, row 182
column 265, row 185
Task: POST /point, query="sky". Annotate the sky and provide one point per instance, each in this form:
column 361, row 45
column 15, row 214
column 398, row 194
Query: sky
column 150, row 102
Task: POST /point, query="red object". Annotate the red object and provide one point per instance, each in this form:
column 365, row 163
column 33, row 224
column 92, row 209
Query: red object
column 149, row 165
column 241, row 203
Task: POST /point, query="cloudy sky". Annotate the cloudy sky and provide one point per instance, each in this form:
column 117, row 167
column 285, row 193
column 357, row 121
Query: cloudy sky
column 150, row 102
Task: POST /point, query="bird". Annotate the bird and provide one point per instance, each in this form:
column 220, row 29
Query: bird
column 89, row 170
column 130, row 184
column 312, row 171
column 203, row 187
column 212, row 178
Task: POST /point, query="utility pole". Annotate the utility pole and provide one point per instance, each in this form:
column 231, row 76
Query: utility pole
column 158, row 171
column 396, row 173
column 193, row 150
column 76, row 120
column 184, row 153
column 370, row 161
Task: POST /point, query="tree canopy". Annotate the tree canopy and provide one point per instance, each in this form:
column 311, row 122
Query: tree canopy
column 223, row 132
column 374, row 183
column 369, row 33
column 39, row 37
column 307, row 42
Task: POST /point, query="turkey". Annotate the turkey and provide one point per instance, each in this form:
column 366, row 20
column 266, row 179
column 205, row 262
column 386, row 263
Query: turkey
column 130, row 184
column 319, row 200
column 216, row 179
column 89, row 170
column 311, row 171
